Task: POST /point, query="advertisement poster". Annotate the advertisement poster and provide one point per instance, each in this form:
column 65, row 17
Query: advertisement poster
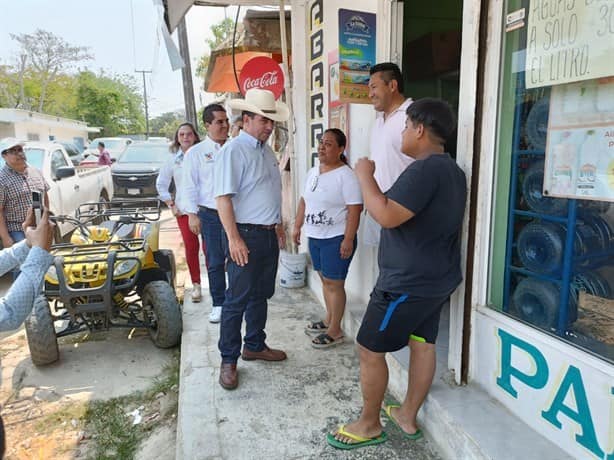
column 569, row 41
column 580, row 145
column 356, row 55
column 337, row 111
column 334, row 98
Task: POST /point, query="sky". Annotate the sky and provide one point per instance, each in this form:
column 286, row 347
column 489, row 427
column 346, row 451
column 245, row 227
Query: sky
column 122, row 36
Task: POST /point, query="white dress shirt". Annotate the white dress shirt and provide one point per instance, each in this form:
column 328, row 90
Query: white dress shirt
column 198, row 176
column 171, row 171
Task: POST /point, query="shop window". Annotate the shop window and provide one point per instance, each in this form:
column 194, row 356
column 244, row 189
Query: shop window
column 552, row 251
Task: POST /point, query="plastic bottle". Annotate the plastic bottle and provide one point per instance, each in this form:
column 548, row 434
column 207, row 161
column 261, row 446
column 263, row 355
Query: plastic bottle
column 589, row 156
column 563, row 165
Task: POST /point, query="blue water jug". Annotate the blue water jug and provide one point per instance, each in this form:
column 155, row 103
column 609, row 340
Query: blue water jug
column 591, row 282
column 540, row 245
column 532, row 186
column 537, row 302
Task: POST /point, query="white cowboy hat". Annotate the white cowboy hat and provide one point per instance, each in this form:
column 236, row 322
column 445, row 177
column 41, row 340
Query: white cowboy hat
column 262, row 102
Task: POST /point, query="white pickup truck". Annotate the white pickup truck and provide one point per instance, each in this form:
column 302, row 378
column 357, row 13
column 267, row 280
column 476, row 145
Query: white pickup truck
column 70, row 186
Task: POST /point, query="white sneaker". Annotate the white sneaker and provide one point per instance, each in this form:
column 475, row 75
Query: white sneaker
column 197, row 293
column 216, row 315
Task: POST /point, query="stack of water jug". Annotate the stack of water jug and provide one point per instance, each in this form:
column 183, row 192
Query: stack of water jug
column 540, row 247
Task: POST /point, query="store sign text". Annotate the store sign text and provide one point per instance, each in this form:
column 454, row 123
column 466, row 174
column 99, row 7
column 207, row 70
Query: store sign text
column 568, row 41
column 571, row 387
column 316, row 77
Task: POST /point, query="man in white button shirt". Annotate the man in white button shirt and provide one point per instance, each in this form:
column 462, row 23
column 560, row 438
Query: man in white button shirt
column 386, row 94
column 199, row 201
column 248, row 194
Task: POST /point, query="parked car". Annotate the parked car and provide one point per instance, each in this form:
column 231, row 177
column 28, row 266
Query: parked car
column 135, row 172
column 70, row 185
column 114, row 145
column 159, row 139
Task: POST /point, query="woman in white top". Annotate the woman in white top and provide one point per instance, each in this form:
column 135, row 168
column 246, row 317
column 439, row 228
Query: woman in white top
column 185, row 137
column 329, row 212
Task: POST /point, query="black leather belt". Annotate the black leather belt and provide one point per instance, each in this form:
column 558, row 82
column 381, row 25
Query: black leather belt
column 206, row 209
column 256, row 226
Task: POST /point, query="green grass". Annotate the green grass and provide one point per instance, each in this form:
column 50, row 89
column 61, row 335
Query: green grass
column 66, row 414
column 115, row 435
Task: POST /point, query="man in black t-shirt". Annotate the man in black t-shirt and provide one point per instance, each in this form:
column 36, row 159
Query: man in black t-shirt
column 419, row 262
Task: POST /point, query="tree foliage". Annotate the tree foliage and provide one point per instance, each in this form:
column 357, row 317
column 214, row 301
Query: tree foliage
column 111, row 102
column 166, row 124
column 222, row 31
column 45, row 56
column 42, row 79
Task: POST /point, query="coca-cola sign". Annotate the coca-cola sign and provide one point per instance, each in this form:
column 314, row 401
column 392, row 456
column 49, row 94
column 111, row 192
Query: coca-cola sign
column 264, row 73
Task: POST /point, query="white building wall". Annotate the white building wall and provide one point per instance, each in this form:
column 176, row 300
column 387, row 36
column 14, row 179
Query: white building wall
column 27, row 125
column 363, row 270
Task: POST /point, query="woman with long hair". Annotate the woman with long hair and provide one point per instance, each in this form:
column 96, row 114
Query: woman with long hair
column 329, row 212
column 185, row 137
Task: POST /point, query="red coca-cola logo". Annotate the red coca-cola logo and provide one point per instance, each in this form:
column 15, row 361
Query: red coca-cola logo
column 264, row 73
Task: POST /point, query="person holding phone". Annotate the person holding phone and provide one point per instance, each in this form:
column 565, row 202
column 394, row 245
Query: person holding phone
column 33, row 257
column 17, row 182
column 32, row 254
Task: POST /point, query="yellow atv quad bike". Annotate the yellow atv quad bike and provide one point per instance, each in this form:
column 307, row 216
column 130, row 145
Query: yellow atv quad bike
column 111, row 274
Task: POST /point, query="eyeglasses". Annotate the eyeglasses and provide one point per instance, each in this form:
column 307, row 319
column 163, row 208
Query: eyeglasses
column 15, row 150
column 314, row 183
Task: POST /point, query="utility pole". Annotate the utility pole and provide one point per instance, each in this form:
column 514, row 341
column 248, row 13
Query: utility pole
column 186, row 74
column 143, row 72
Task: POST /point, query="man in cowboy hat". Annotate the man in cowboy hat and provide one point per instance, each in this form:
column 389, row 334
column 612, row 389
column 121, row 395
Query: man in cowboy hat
column 248, row 197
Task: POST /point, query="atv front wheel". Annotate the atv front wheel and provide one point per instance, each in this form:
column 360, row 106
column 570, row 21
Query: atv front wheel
column 42, row 340
column 161, row 311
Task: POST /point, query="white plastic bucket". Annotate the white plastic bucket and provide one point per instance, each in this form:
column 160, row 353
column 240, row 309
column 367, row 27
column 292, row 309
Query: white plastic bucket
column 292, row 269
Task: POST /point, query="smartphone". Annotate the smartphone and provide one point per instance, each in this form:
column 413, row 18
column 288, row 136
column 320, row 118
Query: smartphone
column 37, row 206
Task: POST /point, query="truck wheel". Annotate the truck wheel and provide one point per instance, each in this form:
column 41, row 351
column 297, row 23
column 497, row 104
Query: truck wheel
column 42, row 340
column 161, row 311
column 103, row 198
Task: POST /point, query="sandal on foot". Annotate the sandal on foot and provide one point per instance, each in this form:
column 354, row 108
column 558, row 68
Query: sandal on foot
column 325, row 341
column 358, row 441
column 413, row 436
column 316, row 326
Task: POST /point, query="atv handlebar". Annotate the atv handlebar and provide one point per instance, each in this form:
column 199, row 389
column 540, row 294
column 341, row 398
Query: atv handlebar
column 129, row 211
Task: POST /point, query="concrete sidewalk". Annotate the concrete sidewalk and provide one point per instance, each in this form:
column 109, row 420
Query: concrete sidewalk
column 284, row 410
column 280, row 410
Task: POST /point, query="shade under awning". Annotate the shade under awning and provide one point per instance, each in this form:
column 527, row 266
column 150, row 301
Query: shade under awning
column 221, row 77
column 258, row 35
column 175, row 10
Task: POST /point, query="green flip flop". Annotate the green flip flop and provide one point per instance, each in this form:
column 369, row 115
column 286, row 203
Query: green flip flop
column 359, row 441
column 413, row 436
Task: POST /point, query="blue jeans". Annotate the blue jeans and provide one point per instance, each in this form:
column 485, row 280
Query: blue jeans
column 212, row 231
column 249, row 287
column 17, row 236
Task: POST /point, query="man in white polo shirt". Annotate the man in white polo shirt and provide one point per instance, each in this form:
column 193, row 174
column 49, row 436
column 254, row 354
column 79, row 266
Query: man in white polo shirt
column 386, row 94
column 199, row 202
